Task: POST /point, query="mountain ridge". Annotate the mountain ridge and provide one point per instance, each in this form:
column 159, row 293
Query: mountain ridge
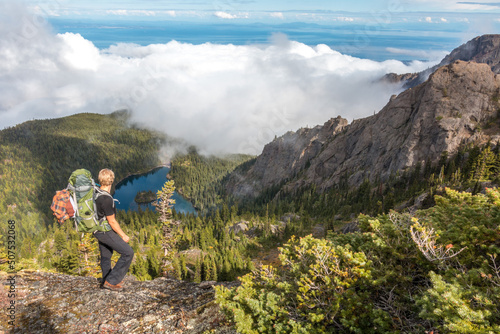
column 457, row 105
column 481, row 49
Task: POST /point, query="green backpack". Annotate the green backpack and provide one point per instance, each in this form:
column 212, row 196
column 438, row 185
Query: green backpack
column 84, row 192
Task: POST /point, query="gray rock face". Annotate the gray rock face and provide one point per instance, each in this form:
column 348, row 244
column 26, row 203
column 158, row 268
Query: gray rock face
column 241, row 226
column 482, row 49
column 450, row 109
column 284, row 158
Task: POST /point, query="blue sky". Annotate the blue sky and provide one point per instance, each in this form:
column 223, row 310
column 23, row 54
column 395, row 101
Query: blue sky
column 257, row 10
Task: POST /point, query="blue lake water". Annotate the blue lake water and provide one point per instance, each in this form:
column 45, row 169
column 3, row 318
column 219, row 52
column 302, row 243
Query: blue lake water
column 127, row 189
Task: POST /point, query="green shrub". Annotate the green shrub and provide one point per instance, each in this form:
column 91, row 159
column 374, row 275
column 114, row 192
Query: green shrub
column 319, row 288
column 465, row 293
column 438, row 270
column 457, row 309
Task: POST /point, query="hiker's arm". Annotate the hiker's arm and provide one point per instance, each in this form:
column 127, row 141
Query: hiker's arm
column 116, row 227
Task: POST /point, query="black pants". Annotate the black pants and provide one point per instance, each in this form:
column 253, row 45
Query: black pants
column 109, row 242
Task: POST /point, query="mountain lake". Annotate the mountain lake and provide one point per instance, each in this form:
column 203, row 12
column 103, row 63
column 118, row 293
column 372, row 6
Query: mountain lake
column 127, row 189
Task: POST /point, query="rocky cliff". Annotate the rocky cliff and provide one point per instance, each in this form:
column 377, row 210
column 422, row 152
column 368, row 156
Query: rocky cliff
column 56, row 303
column 458, row 104
column 284, row 158
column 482, row 49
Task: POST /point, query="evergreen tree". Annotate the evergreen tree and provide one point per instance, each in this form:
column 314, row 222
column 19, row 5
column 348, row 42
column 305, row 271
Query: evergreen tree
column 89, row 250
column 177, row 268
column 140, row 269
column 198, row 269
column 164, row 206
column 60, row 242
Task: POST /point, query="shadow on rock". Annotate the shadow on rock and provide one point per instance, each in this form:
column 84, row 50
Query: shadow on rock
column 38, row 320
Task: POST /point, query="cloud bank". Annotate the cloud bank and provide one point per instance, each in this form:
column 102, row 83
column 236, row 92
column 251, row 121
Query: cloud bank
column 222, row 98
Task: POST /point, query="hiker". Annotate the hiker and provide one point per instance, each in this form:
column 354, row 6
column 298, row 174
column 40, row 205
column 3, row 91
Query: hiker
column 114, row 240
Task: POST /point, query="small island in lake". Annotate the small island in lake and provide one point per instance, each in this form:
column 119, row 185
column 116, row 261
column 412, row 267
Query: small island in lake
column 144, row 197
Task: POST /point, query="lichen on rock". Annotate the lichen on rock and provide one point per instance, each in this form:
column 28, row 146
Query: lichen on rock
column 57, row 303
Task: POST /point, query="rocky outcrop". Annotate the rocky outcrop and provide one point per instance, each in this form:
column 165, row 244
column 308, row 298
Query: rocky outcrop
column 56, row 303
column 482, row 49
column 453, row 107
column 257, row 229
column 239, row 227
column 284, row 158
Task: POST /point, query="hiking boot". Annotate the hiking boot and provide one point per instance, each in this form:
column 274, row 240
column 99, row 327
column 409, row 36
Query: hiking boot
column 112, row 287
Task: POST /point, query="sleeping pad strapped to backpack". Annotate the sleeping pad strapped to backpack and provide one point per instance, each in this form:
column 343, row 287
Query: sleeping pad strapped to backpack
column 84, row 192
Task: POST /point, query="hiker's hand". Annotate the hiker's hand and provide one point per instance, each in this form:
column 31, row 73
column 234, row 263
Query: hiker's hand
column 125, row 238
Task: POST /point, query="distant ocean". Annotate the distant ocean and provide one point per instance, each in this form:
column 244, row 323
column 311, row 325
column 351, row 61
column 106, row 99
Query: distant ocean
column 396, row 43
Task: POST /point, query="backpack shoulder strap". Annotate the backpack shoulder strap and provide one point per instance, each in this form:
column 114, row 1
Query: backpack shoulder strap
column 99, row 192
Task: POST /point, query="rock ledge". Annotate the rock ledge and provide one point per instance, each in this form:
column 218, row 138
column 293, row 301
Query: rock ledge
column 57, row 303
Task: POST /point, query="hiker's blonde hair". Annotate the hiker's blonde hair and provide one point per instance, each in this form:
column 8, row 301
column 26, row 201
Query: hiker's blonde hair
column 106, row 177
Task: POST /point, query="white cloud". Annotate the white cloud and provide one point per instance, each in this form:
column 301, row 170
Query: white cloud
column 278, row 15
column 345, row 19
column 117, row 12
column 45, row 11
column 224, row 15
column 429, row 19
column 484, row 5
column 223, row 98
column 128, row 12
column 79, row 53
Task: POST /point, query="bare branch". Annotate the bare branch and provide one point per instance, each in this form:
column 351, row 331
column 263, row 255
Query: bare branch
column 426, row 243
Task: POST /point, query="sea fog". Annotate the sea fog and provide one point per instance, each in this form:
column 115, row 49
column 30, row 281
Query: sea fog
column 224, row 88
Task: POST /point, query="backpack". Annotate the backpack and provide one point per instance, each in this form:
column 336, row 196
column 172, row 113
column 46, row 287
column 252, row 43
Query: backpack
column 84, row 192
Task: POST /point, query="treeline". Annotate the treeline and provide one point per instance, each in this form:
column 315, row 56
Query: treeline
column 469, row 169
column 199, row 177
